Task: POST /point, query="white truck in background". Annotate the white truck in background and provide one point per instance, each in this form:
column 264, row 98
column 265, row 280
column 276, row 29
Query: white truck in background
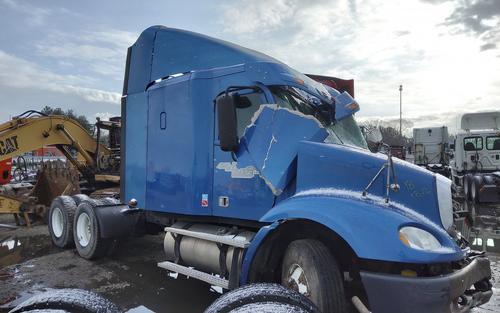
column 431, row 148
column 475, row 170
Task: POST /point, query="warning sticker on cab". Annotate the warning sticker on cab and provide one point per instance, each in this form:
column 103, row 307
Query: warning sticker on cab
column 204, row 200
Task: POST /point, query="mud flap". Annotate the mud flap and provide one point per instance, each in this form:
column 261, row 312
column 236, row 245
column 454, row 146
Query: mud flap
column 117, row 220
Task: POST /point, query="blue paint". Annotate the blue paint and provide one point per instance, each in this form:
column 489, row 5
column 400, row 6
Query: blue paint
column 173, row 160
column 370, row 228
column 271, row 144
column 345, row 106
column 341, row 167
column 136, row 152
column 252, row 250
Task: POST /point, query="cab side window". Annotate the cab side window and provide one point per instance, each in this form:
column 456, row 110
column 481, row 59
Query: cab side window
column 493, row 143
column 473, row 143
column 246, row 106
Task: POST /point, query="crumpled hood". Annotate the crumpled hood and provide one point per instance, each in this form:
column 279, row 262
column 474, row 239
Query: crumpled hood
column 270, row 144
column 342, row 171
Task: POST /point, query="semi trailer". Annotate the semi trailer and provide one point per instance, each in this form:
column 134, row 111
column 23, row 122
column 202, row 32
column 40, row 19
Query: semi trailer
column 431, row 149
column 258, row 173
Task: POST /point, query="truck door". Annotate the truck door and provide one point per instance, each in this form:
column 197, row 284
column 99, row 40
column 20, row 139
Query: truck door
column 239, row 192
column 473, row 147
column 177, row 180
column 493, row 151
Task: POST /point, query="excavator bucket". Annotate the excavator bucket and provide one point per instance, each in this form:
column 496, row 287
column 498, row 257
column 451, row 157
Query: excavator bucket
column 55, row 178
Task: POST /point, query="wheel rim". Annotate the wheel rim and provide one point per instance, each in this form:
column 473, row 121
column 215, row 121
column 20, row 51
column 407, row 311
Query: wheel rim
column 297, row 280
column 57, row 221
column 83, row 230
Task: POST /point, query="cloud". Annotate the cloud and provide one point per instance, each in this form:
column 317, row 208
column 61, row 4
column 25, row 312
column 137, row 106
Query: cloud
column 387, row 45
column 436, row 1
column 99, row 52
column 258, row 15
column 480, row 18
column 104, row 116
column 488, row 46
column 35, row 16
column 24, row 75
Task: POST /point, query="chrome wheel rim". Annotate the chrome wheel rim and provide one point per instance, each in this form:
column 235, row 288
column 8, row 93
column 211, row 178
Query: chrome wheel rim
column 296, row 279
column 57, row 221
column 83, row 229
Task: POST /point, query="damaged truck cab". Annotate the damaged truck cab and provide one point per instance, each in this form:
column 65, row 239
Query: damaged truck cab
column 257, row 173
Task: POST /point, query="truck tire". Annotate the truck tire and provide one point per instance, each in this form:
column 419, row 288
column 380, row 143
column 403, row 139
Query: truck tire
column 476, row 183
column 79, row 198
column 257, row 297
column 60, row 221
column 109, row 201
column 309, row 268
column 86, row 232
column 67, row 300
column 269, row 307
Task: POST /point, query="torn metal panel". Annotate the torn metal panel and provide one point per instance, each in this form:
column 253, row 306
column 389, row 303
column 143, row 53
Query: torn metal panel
column 231, row 167
column 345, row 106
column 271, row 142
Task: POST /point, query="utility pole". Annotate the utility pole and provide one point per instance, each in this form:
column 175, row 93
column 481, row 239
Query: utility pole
column 401, row 110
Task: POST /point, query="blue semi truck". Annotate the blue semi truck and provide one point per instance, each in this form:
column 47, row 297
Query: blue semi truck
column 258, row 173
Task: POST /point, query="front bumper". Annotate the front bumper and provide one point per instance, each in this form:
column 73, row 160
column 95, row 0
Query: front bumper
column 389, row 293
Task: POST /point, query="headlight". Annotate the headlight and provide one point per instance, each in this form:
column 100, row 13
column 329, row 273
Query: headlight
column 443, row 186
column 419, row 239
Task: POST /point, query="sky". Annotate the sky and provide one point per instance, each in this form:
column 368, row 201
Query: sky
column 445, row 53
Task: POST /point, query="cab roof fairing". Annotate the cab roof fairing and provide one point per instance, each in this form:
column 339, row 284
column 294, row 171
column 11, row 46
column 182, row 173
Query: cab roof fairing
column 161, row 51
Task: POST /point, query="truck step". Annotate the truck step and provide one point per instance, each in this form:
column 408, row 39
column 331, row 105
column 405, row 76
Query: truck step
column 206, row 277
column 230, row 240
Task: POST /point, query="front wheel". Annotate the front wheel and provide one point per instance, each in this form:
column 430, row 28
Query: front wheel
column 310, row 269
column 87, row 233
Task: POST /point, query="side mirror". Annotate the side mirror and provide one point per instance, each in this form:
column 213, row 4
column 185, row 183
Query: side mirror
column 228, row 128
column 374, row 135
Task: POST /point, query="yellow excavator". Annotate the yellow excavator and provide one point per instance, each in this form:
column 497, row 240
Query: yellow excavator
column 98, row 164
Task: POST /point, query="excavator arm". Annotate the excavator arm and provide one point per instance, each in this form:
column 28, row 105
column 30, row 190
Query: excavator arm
column 24, row 134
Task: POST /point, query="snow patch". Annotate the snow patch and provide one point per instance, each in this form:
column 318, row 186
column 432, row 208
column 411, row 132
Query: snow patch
column 358, row 195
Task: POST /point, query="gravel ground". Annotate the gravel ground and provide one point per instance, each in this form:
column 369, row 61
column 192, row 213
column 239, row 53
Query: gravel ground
column 30, row 264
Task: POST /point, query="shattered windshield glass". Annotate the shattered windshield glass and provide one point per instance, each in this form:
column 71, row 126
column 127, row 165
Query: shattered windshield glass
column 345, row 131
column 296, row 99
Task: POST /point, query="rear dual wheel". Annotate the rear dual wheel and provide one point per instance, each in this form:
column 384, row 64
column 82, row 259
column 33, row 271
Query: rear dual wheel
column 73, row 222
column 60, row 221
column 87, row 232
